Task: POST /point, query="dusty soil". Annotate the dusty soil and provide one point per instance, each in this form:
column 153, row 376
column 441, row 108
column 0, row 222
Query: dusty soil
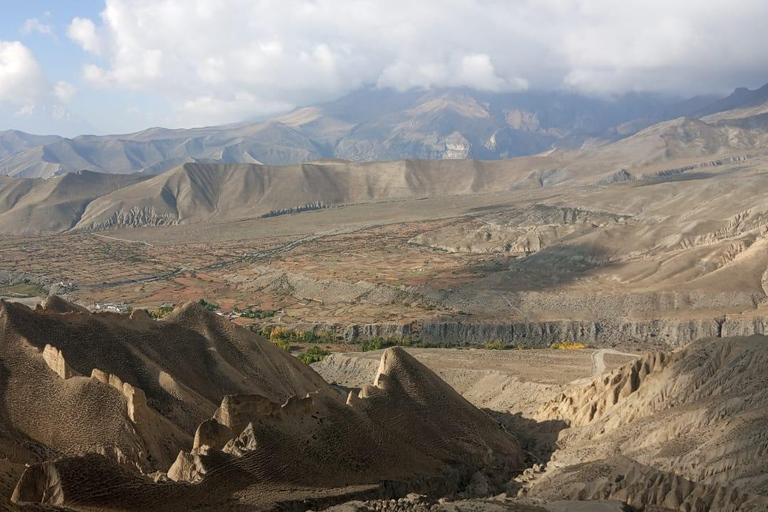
column 508, row 381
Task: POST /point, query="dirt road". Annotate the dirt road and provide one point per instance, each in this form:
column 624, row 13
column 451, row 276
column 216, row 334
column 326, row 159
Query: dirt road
column 598, row 359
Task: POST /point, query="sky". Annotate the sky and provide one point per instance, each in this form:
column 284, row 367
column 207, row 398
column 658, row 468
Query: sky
column 118, row 66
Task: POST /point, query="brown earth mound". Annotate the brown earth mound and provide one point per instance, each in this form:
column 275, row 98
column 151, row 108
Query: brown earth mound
column 690, row 426
column 130, row 388
column 682, row 431
column 280, row 431
column 409, row 429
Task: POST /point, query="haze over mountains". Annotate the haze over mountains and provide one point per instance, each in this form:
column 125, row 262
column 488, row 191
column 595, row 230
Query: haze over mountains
column 372, row 125
column 443, row 128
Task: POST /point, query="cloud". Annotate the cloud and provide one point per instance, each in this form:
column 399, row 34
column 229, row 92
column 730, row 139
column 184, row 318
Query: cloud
column 34, row 25
column 83, row 32
column 28, row 100
column 225, row 60
column 64, row 91
column 22, row 80
column 474, row 70
column 25, row 88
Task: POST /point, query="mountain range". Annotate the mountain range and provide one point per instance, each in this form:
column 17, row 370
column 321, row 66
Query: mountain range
column 221, row 192
column 373, row 125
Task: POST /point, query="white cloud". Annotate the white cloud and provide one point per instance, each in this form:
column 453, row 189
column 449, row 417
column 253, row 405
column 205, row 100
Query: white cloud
column 83, row 32
column 64, row 91
column 22, row 81
column 225, row 60
column 475, row 71
column 34, row 25
column 26, row 95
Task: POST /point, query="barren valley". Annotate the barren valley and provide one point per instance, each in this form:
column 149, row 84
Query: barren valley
column 663, row 260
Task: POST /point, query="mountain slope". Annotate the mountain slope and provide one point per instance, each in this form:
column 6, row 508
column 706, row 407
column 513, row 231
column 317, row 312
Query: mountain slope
column 205, row 191
column 131, row 389
column 14, row 141
column 741, row 99
column 35, row 205
column 367, row 125
column 211, row 192
column 698, row 413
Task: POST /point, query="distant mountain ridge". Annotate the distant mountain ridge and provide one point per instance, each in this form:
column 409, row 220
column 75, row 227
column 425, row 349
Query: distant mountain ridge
column 370, row 125
column 214, row 192
column 214, row 187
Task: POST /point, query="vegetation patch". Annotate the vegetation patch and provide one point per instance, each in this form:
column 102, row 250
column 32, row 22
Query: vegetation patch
column 161, row 311
column 380, row 343
column 295, row 336
column 254, row 313
column 208, row 305
column 23, row 290
column 314, row 355
column 282, row 344
column 568, row 345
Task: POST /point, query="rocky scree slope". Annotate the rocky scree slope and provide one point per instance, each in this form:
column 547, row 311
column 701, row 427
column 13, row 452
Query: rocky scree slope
column 689, row 427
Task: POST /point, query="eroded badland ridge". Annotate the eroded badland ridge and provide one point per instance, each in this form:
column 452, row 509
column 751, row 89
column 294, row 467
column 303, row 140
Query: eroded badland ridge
column 103, row 411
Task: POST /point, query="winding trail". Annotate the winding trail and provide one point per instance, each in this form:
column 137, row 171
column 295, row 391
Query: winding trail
column 122, row 239
column 598, row 359
column 245, row 258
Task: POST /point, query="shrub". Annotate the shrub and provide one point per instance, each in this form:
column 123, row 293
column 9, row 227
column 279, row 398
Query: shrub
column 497, row 345
column 314, row 355
column 568, row 345
column 320, row 337
column 378, row 343
column 374, row 344
column 282, row 344
column 208, row 305
column 161, row 311
column 279, row 334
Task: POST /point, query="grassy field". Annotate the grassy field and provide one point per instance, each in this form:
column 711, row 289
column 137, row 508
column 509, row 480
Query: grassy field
column 23, row 290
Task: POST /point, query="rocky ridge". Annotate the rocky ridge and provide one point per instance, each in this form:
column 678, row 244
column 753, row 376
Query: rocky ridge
column 407, row 431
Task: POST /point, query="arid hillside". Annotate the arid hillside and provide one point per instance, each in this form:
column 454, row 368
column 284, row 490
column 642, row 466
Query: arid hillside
column 129, row 388
column 663, row 431
column 101, row 406
column 30, row 206
column 662, row 257
column 669, row 431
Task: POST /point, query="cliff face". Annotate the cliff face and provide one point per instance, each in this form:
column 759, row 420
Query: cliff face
column 597, row 333
column 669, row 333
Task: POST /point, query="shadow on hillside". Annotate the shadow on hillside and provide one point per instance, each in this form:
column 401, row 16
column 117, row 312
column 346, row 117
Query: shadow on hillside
column 20, row 447
column 549, row 268
column 537, row 439
column 688, row 176
column 4, row 375
column 493, row 208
